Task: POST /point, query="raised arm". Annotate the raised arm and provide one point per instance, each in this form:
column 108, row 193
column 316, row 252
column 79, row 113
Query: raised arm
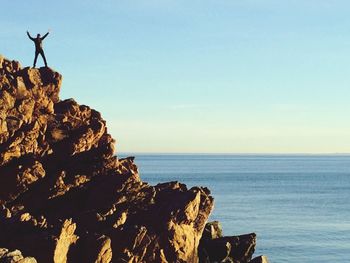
column 45, row 35
column 29, row 36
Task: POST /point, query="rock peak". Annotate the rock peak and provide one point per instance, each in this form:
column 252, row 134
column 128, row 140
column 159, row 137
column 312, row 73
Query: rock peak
column 66, row 197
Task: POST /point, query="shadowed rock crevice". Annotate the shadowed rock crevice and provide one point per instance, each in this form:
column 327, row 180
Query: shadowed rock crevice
column 66, row 197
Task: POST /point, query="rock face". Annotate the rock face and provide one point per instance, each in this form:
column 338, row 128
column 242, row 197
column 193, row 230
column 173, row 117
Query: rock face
column 66, row 197
column 216, row 248
column 15, row 256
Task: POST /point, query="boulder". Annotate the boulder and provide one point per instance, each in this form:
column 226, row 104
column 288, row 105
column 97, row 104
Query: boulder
column 212, row 230
column 217, row 248
column 260, row 259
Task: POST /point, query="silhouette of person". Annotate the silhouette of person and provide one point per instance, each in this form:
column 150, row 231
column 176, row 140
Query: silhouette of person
column 38, row 47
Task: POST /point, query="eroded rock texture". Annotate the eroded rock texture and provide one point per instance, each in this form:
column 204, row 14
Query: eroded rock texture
column 66, row 197
column 216, row 248
column 14, row 256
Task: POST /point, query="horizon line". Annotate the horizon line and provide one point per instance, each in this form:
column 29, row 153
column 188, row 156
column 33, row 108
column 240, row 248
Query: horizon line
column 229, row 153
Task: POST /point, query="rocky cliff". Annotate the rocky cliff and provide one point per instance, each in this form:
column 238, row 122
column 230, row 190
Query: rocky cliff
column 66, row 197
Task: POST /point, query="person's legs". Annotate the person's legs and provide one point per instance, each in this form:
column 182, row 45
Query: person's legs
column 35, row 58
column 43, row 56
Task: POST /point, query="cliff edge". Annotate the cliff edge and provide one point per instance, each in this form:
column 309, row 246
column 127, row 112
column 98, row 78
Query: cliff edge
column 66, row 197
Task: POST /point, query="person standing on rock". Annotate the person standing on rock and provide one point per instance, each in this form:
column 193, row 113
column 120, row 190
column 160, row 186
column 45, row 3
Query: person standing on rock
column 38, row 47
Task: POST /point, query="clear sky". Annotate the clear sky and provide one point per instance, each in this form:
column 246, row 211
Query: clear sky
column 268, row 76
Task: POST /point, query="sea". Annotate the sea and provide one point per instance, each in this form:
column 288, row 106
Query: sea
column 298, row 205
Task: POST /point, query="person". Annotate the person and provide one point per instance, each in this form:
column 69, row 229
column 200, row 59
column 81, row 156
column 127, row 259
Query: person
column 38, row 47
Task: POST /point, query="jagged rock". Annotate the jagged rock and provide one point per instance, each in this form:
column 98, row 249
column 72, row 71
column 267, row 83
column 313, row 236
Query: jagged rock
column 212, row 230
column 14, row 256
column 5, row 212
column 259, row 259
column 66, row 197
column 102, row 251
column 63, row 190
column 64, row 241
column 235, row 248
column 242, row 247
column 216, row 248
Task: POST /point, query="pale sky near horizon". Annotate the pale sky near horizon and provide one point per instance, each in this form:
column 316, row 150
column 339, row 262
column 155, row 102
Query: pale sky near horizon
column 199, row 76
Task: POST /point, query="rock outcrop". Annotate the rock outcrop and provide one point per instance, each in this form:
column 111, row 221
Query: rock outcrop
column 216, row 248
column 15, row 256
column 66, row 197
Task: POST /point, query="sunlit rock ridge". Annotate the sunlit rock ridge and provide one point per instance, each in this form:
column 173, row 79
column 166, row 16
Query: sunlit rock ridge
column 66, row 197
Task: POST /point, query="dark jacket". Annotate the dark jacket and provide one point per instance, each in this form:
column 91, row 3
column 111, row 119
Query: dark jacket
column 38, row 41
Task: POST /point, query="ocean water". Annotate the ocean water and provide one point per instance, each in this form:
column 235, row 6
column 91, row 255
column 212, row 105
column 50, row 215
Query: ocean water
column 298, row 205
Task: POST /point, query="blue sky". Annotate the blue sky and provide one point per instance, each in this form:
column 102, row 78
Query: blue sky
column 199, row 76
